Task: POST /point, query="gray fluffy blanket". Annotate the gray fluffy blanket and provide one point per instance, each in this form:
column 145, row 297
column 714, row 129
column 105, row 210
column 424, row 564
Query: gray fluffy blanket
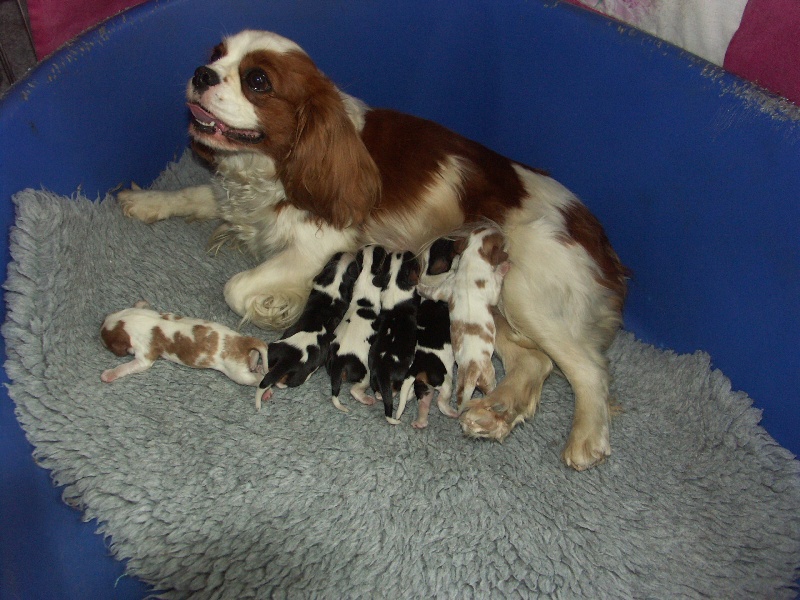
column 209, row 498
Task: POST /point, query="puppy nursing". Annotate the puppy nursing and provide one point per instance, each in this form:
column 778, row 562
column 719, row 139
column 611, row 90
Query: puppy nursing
column 149, row 335
column 472, row 290
column 432, row 368
column 393, row 349
column 304, row 347
column 353, row 338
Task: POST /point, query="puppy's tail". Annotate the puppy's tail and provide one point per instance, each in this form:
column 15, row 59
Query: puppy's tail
column 336, row 369
column 385, row 384
column 405, row 394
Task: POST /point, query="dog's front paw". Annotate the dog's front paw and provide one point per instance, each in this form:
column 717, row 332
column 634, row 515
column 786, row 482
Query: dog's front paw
column 485, row 419
column 141, row 204
column 274, row 312
column 586, row 448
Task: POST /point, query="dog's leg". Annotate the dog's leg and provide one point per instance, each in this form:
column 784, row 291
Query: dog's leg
column 137, row 365
column 196, row 202
column 517, row 395
column 573, row 329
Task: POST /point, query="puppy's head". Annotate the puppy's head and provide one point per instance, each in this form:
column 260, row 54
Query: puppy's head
column 261, row 93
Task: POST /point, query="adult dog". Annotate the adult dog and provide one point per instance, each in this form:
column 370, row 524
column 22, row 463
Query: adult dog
column 305, row 171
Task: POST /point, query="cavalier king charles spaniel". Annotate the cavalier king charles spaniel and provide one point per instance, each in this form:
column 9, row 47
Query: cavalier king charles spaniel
column 303, row 170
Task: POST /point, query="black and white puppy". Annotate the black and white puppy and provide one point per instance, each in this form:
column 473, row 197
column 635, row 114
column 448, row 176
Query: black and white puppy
column 432, row 368
column 349, row 353
column 305, row 346
column 433, row 364
column 392, row 352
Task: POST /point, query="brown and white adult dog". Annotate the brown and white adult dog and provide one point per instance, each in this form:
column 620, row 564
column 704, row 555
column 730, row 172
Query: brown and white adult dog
column 304, row 170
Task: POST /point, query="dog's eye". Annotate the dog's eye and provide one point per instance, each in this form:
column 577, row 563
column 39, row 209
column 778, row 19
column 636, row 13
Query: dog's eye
column 257, row 80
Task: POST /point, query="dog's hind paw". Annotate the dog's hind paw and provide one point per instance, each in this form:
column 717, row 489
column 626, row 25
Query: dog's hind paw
column 483, row 421
column 585, row 451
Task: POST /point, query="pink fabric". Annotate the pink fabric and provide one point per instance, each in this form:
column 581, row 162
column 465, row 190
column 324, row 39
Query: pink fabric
column 55, row 22
column 766, row 48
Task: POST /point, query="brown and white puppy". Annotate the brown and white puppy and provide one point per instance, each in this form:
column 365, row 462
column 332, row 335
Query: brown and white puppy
column 149, row 335
column 304, row 170
column 471, row 290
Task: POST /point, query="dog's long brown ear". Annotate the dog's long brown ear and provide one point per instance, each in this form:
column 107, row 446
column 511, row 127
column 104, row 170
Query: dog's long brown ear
column 329, row 171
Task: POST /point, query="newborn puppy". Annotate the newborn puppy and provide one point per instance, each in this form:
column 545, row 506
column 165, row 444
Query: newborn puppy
column 432, row 368
column 305, row 346
column 393, row 349
column 471, row 290
column 148, row 335
column 349, row 352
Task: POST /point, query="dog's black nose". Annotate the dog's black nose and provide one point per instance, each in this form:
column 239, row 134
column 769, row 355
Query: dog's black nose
column 204, row 78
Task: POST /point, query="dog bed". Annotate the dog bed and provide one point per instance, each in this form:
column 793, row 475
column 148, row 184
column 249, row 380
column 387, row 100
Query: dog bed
column 206, row 497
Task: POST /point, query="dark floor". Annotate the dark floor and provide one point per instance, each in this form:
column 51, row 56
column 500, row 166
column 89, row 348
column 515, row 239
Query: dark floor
column 14, row 43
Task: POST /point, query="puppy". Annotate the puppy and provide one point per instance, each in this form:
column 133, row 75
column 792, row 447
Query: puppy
column 393, row 349
column 149, row 335
column 432, row 368
column 304, row 347
column 353, row 338
column 471, row 291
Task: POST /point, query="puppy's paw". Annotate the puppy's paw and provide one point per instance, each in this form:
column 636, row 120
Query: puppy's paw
column 586, row 449
column 419, row 424
column 365, row 399
column 262, row 396
column 141, row 204
column 484, row 419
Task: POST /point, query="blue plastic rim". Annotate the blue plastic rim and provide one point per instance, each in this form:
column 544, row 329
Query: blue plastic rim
column 694, row 174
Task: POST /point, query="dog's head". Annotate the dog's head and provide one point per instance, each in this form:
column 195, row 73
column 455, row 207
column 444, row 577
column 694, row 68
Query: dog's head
column 261, row 93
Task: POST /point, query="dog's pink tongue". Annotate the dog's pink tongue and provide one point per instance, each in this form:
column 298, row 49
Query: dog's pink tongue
column 202, row 115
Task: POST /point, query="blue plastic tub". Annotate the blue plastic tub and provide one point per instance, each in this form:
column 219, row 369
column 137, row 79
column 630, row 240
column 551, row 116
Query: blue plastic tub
column 695, row 174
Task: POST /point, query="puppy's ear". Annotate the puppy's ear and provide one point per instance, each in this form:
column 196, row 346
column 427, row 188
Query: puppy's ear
column 492, row 249
column 329, row 171
column 461, row 245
